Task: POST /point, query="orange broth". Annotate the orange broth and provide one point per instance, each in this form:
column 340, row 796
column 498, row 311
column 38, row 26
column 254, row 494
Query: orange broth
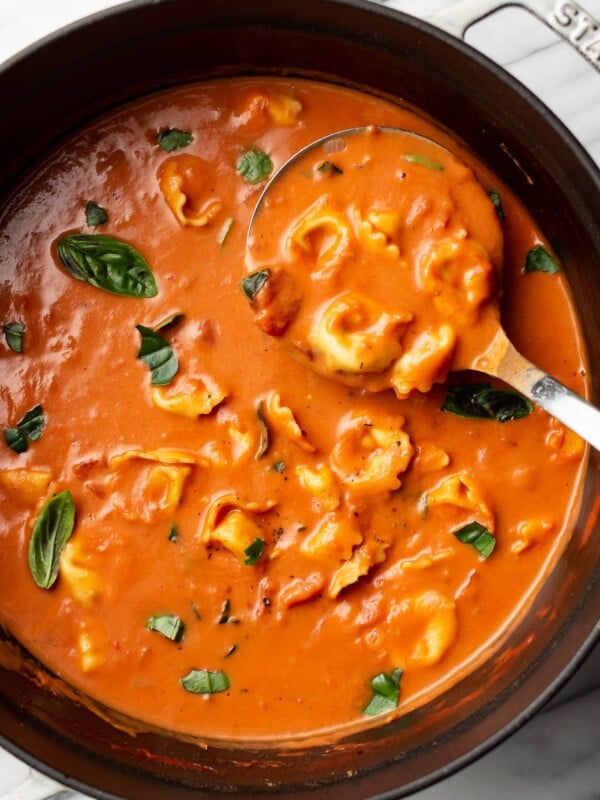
column 350, row 583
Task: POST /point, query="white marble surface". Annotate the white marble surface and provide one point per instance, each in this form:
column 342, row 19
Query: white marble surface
column 556, row 756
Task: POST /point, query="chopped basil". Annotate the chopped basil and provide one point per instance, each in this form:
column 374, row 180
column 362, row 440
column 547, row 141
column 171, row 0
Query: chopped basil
column 424, row 161
column 254, row 551
column 13, row 333
column 169, row 625
column 168, row 322
column 203, row 681
column 252, row 284
column 173, row 532
column 224, row 232
column 51, row 532
column 494, row 196
column 329, row 168
column 482, row 401
column 386, row 693
column 254, row 165
column 107, row 263
column 278, row 466
column 95, row 214
column 478, row 536
column 264, row 438
column 538, row 259
column 172, row 139
column 30, row 427
column 158, row 355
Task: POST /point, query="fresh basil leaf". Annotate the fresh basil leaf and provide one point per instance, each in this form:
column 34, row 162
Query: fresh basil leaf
column 169, row 625
column 51, row 532
column 173, row 139
column 13, row 333
column 107, row 263
column 29, row 428
column 95, row 214
column 478, row 536
column 386, row 693
column 168, row 322
column 278, row 466
column 494, row 196
column 424, row 161
column 482, row 401
column 254, row 551
column 173, row 532
column 15, row 440
column 538, row 259
column 264, row 437
column 252, row 284
column 254, row 165
column 203, row 681
column 158, row 355
column 329, row 168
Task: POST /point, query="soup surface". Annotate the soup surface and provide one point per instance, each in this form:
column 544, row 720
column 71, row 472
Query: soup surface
column 199, row 531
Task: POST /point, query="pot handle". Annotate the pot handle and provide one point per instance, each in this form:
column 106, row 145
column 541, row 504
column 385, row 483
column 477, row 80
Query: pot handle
column 568, row 19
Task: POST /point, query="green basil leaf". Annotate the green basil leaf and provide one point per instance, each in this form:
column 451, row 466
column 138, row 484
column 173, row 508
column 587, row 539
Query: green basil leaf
column 168, row 322
column 538, row 259
column 30, row 427
column 264, row 438
column 107, row 263
column 95, row 214
column 424, row 161
column 329, row 168
column 254, row 551
column 169, row 625
column 173, row 532
column 15, row 440
column 494, row 196
column 252, row 284
column 13, row 333
column 51, row 532
column 158, row 355
column 254, row 166
column 172, row 139
column 386, row 693
column 203, row 681
column 278, row 466
column 482, row 401
column 478, row 536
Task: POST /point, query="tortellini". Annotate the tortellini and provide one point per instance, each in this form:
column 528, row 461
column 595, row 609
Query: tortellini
column 463, row 493
column 354, row 334
column 424, row 362
column 196, row 397
column 183, row 180
column 422, row 627
column 376, row 232
column 230, row 523
column 282, row 420
column 78, row 571
column 149, row 484
column 29, row 484
column 323, row 234
column 370, row 455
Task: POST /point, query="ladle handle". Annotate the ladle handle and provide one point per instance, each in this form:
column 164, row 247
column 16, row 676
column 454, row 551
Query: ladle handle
column 568, row 19
column 548, row 393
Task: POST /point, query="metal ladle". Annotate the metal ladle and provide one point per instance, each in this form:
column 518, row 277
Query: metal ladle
column 500, row 358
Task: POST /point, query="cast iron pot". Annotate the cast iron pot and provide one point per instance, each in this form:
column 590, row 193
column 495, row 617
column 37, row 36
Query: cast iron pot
column 52, row 88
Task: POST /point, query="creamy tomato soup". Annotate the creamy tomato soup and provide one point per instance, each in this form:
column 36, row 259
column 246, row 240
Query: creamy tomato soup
column 198, row 530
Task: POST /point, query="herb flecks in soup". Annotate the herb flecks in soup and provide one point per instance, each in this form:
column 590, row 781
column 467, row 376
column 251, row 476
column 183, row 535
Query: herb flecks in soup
column 197, row 530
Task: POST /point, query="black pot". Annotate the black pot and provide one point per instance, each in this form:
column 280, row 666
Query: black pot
column 116, row 56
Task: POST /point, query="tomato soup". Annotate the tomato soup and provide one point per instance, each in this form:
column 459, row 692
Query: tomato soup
column 198, row 530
